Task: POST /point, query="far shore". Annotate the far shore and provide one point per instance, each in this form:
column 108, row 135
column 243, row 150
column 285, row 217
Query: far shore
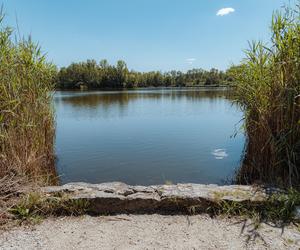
column 221, row 86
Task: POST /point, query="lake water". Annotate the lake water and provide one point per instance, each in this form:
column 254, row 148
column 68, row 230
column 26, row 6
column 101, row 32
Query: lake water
column 147, row 137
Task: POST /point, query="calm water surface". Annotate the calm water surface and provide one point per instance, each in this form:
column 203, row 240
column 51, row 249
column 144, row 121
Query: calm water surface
column 147, row 136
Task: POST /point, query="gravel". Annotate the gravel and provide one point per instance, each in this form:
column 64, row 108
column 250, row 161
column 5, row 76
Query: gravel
column 149, row 232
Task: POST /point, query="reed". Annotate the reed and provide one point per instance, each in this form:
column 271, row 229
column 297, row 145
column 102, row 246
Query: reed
column 26, row 115
column 268, row 88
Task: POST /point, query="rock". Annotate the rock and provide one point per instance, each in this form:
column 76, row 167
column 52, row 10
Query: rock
column 117, row 197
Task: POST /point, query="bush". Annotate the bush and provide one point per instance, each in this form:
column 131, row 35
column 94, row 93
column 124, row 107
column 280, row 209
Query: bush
column 26, row 116
column 268, row 88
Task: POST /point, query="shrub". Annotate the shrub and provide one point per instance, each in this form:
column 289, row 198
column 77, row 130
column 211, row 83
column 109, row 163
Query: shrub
column 26, row 116
column 268, row 88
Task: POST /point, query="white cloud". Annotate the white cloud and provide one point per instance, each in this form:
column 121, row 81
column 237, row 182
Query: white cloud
column 190, row 60
column 219, row 153
column 225, row 11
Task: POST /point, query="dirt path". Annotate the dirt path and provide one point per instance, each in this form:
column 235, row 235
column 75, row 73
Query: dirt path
column 149, row 232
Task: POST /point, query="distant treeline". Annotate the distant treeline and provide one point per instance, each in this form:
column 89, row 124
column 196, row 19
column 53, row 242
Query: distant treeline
column 93, row 75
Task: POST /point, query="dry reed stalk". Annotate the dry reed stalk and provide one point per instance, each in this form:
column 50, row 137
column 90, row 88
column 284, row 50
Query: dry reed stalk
column 268, row 83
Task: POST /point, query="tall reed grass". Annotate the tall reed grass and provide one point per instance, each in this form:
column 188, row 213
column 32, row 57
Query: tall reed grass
column 26, row 116
column 268, row 88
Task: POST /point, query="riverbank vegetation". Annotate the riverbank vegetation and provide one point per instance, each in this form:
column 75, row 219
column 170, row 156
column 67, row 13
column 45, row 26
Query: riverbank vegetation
column 268, row 89
column 93, row 75
column 267, row 86
column 26, row 115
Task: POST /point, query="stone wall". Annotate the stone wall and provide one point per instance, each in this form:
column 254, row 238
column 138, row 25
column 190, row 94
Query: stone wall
column 117, row 197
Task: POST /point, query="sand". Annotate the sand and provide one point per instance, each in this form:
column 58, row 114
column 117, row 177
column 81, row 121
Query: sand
column 149, row 232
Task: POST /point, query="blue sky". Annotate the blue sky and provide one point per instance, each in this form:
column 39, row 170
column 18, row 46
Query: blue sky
column 147, row 34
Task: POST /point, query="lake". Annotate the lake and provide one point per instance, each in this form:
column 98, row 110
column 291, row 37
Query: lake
column 146, row 137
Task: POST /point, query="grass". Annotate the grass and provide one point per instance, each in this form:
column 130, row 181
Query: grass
column 278, row 208
column 26, row 117
column 268, row 90
column 35, row 206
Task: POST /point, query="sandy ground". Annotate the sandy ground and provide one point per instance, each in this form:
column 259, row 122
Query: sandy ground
column 149, row 232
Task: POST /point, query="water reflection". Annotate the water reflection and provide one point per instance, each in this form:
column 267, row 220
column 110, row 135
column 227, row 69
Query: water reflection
column 121, row 98
column 219, row 153
column 147, row 136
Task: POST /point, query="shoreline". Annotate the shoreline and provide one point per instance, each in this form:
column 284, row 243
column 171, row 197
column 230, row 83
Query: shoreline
column 149, row 88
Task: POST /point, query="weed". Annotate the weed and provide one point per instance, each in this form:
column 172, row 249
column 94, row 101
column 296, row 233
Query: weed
column 268, row 90
column 26, row 116
column 36, row 205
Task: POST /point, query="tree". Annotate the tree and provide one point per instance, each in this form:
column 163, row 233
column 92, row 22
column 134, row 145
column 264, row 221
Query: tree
column 104, row 75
